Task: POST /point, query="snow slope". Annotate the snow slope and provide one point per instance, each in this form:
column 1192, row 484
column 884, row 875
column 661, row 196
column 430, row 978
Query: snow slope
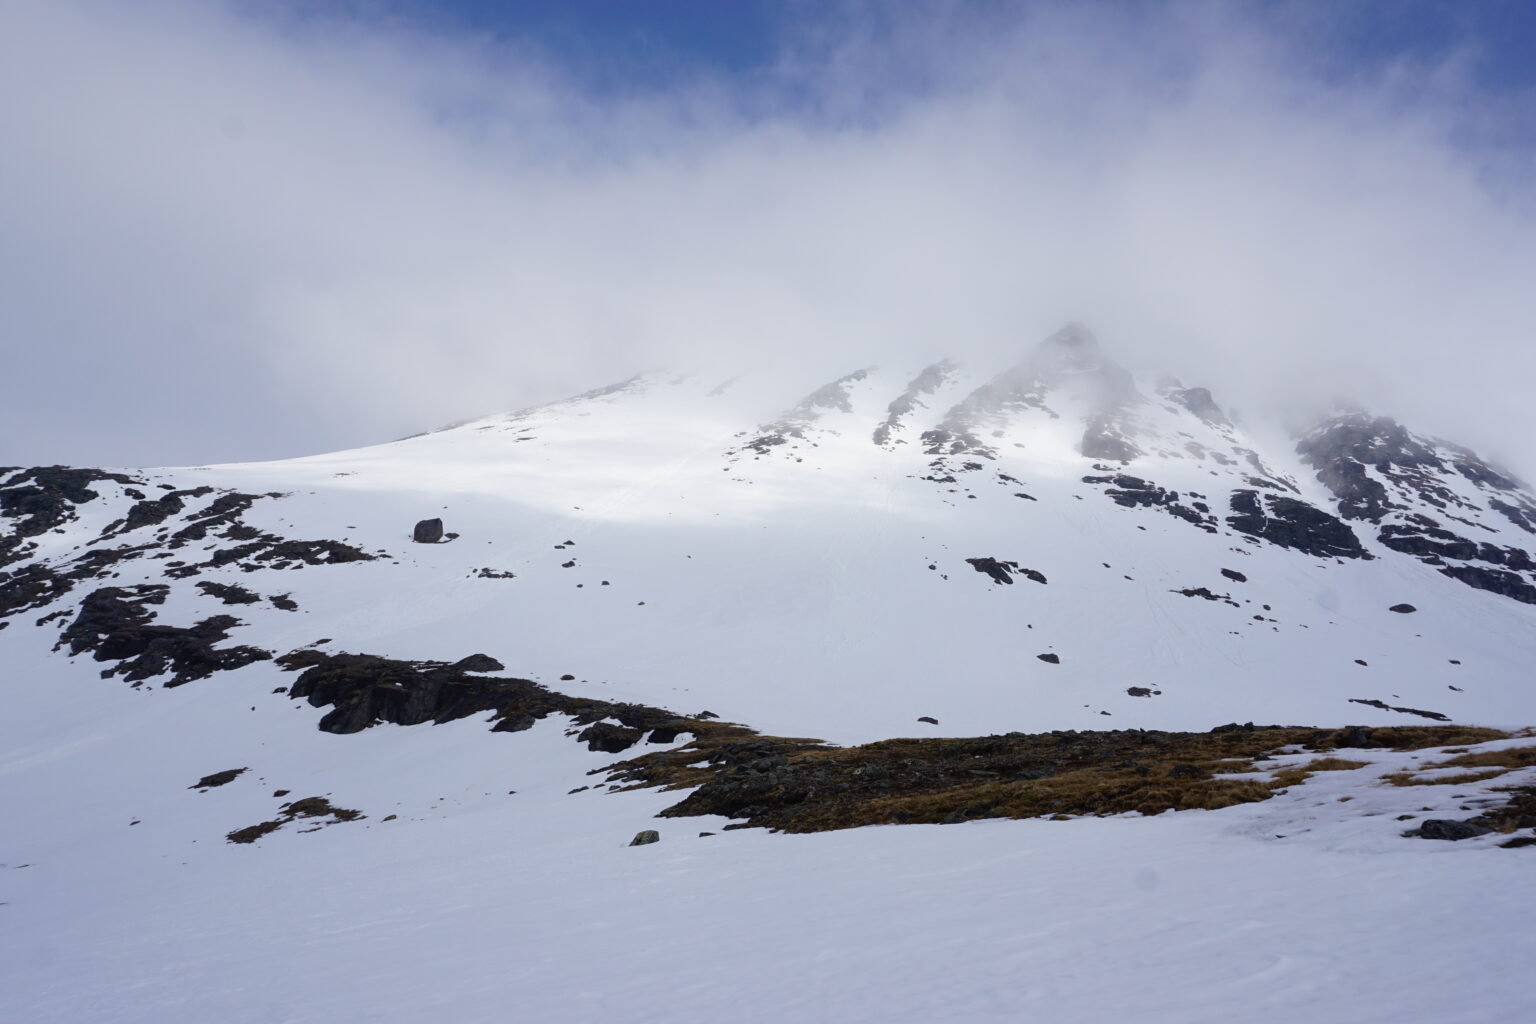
column 793, row 556
column 819, row 586
column 479, row 905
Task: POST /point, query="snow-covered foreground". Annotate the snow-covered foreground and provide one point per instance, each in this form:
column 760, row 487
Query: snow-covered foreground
column 526, row 918
column 1162, row 920
column 476, row 904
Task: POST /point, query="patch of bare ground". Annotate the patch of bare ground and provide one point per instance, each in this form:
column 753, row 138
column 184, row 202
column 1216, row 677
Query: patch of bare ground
column 801, row 785
column 316, row 810
column 1287, row 777
column 217, row 779
column 1519, row 812
column 1519, row 809
column 1492, row 765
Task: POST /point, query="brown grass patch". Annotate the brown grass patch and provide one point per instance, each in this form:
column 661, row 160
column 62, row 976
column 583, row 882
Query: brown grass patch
column 1518, row 813
column 1288, row 777
column 1497, row 763
column 1335, row 764
column 801, row 785
column 1410, row 779
column 1419, row 737
column 1511, row 758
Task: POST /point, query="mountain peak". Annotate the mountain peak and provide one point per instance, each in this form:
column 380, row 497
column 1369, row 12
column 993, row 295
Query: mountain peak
column 1073, row 348
column 1075, row 335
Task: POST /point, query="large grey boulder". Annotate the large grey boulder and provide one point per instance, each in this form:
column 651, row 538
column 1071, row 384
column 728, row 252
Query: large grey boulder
column 646, row 838
column 1441, row 828
column 428, row 531
column 479, row 663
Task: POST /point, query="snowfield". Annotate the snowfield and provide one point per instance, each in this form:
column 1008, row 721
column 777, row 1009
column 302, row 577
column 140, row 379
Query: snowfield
column 902, row 543
column 475, row 905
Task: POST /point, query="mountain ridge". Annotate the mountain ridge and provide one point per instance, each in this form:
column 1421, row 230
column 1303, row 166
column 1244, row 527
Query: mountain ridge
column 903, row 483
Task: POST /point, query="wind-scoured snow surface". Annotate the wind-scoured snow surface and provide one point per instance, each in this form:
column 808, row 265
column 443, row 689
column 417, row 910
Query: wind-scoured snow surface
column 827, row 557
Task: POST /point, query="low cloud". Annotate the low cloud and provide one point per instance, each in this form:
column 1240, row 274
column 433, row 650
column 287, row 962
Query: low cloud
column 224, row 236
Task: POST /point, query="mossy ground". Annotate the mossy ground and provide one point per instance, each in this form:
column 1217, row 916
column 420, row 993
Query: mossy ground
column 800, row 785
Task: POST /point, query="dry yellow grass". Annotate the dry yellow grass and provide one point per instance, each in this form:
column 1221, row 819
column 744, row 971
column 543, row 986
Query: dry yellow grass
column 1288, row 777
column 1335, row 764
column 807, row 786
column 1511, row 758
column 1496, row 763
column 1410, row 779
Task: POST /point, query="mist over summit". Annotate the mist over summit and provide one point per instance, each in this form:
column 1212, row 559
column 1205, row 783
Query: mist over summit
column 378, row 229
column 596, row 513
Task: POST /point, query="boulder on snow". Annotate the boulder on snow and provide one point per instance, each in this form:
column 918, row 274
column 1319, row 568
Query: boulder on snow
column 479, row 663
column 1442, row 828
column 1402, row 609
column 646, row 838
column 1049, row 659
column 428, row 531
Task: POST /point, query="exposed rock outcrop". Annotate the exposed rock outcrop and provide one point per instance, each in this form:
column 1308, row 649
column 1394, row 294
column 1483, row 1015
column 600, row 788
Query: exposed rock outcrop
column 1003, row 572
column 1292, row 523
column 115, row 624
column 366, row 689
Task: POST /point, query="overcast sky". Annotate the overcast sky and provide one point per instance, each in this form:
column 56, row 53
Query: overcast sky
column 254, row 230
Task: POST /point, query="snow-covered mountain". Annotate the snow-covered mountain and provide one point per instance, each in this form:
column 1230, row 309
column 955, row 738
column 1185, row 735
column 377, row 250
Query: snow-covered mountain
column 919, row 551
column 900, row 542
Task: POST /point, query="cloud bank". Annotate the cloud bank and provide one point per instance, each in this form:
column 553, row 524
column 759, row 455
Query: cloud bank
column 225, row 236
